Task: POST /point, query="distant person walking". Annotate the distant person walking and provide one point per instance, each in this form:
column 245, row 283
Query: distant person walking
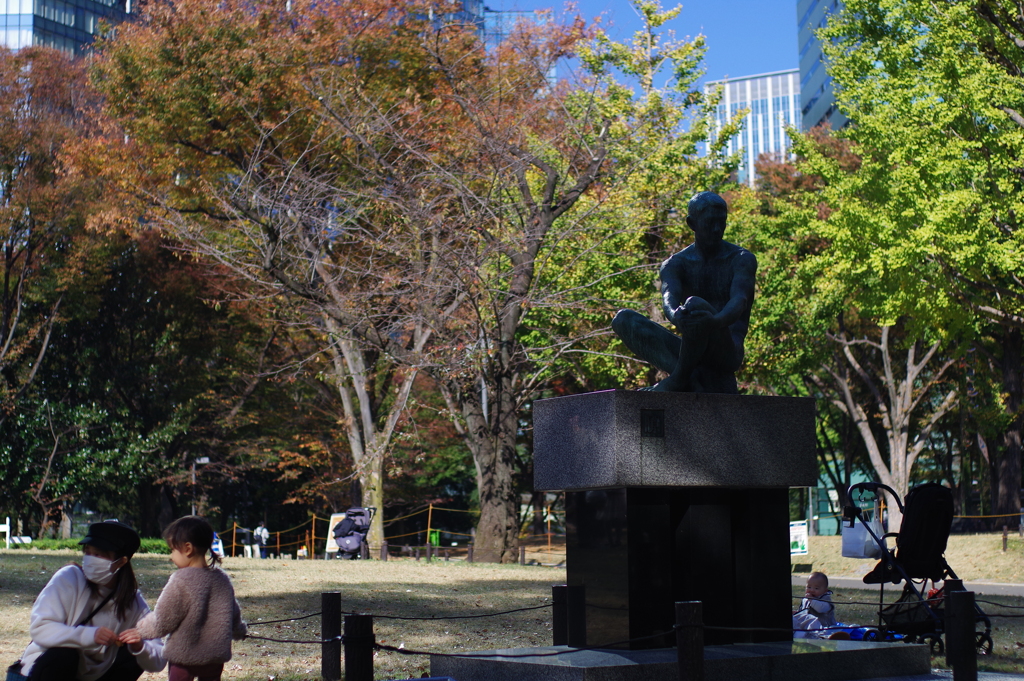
column 197, row 610
column 81, row 613
column 262, row 536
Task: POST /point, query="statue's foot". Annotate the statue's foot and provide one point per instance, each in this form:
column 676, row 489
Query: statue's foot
column 669, row 385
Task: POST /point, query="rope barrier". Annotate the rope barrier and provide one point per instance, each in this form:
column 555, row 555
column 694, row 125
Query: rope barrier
column 395, row 520
column 1001, row 515
column 462, row 617
column 404, row 651
column 292, row 640
column 291, row 619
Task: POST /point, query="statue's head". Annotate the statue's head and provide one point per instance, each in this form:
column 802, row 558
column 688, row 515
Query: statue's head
column 706, row 215
column 707, row 206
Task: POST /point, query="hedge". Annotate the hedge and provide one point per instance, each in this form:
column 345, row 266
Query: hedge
column 148, row 545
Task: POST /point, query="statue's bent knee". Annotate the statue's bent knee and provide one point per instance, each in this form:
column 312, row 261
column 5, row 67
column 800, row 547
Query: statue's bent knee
column 624, row 320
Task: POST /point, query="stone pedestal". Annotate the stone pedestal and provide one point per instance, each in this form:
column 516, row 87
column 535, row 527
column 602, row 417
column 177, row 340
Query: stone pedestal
column 806, row 660
column 673, row 497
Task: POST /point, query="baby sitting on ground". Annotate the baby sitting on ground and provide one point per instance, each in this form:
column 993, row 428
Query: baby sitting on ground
column 817, row 614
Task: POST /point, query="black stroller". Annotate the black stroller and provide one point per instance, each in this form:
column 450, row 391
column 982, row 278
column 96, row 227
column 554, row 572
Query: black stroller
column 920, row 545
column 350, row 533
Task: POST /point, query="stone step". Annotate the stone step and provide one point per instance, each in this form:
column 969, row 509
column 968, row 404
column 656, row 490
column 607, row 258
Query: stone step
column 803, row 660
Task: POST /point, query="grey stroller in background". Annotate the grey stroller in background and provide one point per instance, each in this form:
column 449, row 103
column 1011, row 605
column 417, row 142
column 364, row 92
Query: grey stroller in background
column 350, row 533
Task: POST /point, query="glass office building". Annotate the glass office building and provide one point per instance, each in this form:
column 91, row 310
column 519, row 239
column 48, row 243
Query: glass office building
column 772, row 101
column 68, row 25
column 817, row 100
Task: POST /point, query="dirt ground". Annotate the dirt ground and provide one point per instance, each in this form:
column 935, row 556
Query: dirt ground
column 275, row 589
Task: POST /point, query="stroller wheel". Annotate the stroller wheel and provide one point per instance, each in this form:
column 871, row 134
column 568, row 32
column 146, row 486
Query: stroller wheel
column 935, row 644
column 871, row 635
column 983, row 642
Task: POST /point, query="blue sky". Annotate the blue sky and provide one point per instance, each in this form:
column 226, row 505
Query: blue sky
column 744, row 37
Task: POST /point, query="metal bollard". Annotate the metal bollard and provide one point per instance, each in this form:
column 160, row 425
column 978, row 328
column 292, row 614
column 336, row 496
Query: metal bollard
column 560, row 615
column 359, row 642
column 330, row 627
column 576, row 624
column 961, row 653
column 690, row 640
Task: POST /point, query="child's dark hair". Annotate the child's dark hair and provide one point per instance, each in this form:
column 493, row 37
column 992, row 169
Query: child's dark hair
column 193, row 530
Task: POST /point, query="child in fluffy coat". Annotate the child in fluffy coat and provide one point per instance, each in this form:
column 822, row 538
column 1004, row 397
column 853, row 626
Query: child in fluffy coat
column 197, row 610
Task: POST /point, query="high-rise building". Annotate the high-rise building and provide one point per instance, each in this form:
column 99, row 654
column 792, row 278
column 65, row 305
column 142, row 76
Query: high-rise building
column 68, row 25
column 817, row 100
column 772, row 101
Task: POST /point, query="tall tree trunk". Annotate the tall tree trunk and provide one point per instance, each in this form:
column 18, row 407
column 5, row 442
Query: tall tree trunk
column 494, row 455
column 1006, row 498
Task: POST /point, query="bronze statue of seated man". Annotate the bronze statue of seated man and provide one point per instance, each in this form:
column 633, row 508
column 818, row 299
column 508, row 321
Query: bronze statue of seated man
column 707, row 290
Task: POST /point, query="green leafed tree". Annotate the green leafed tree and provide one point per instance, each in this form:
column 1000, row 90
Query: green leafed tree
column 934, row 93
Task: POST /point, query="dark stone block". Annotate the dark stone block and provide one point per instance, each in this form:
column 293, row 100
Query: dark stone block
column 638, row 550
column 623, row 438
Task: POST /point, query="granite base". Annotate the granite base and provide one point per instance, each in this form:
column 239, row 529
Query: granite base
column 807, row 660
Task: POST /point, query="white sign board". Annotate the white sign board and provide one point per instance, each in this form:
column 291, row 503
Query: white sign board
column 335, row 519
column 798, row 538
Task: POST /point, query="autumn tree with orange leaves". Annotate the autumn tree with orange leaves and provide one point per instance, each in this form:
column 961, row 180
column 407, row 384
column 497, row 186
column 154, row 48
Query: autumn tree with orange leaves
column 370, row 162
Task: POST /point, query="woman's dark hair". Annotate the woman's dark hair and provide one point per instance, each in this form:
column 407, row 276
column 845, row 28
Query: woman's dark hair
column 193, row 530
column 127, row 586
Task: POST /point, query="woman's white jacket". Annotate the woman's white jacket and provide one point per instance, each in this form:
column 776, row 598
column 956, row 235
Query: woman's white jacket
column 62, row 603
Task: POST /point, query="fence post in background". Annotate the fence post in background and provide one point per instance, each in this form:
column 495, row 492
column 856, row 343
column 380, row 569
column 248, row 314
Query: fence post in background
column 429, row 549
column 576, row 606
column 278, row 544
column 234, row 531
column 384, row 550
column 312, row 539
column 469, row 554
column 417, row 553
column 1006, row 530
column 359, row 642
column 1020, row 525
column 330, row 627
column 690, row 640
column 446, row 555
column 559, row 615
column 522, row 555
column 960, row 646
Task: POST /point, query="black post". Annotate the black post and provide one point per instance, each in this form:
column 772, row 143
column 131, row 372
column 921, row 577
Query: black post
column 446, row 555
column 559, row 615
column 359, row 643
column 430, row 550
column 417, row 553
column 960, row 647
column 384, row 550
column 690, row 640
column 469, row 556
column 576, row 629
column 1006, row 530
column 522, row 555
column 330, row 627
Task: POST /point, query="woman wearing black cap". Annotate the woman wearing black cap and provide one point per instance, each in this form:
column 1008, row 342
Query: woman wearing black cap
column 76, row 619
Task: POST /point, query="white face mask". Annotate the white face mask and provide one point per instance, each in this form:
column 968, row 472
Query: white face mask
column 97, row 570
